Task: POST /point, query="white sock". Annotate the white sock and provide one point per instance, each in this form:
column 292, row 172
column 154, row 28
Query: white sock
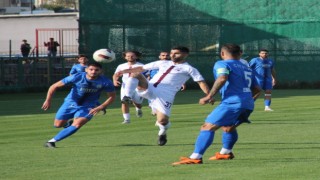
column 225, row 151
column 126, row 116
column 130, row 87
column 52, row 140
column 137, row 109
column 195, row 156
column 163, row 129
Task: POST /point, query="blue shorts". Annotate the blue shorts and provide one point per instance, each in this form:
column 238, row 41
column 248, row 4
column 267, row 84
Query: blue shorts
column 224, row 115
column 265, row 84
column 70, row 110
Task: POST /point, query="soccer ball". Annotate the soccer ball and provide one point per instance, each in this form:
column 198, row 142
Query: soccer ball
column 104, row 56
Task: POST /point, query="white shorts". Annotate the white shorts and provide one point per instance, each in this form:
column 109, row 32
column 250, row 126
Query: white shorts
column 135, row 97
column 159, row 100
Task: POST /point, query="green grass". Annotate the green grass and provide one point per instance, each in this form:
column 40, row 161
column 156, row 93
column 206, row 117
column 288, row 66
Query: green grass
column 283, row 144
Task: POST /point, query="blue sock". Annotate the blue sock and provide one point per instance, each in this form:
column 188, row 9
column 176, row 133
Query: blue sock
column 267, row 102
column 229, row 139
column 65, row 133
column 203, row 141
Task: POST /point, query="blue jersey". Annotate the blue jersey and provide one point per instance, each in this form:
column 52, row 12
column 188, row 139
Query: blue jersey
column 76, row 68
column 153, row 72
column 86, row 92
column 236, row 91
column 262, row 68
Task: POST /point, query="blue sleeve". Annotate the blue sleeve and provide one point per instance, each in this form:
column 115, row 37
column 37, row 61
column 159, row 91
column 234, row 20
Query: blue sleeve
column 220, row 68
column 71, row 79
column 252, row 63
column 73, row 70
column 109, row 87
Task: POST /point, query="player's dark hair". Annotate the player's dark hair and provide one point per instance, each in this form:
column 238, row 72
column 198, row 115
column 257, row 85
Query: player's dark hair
column 137, row 53
column 181, row 49
column 95, row 64
column 233, row 49
column 264, row 50
column 82, row 55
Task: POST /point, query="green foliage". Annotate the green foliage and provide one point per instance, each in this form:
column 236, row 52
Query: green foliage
column 54, row 7
column 283, row 144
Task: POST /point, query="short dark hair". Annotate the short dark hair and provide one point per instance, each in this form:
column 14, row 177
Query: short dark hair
column 137, row 53
column 95, row 64
column 263, row 49
column 233, row 49
column 181, row 49
column 82, row 55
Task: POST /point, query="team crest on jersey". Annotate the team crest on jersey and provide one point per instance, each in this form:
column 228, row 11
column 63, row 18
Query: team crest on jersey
column 99, row 86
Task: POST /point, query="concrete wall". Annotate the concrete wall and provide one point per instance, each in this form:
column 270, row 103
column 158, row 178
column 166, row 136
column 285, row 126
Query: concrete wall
column 18, row 27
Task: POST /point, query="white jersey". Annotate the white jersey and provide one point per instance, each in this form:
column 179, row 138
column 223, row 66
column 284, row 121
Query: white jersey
column 126, row 66
column 171, row 82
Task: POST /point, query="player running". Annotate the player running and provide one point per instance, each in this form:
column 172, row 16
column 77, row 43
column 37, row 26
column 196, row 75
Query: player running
column 132, row 58
column 81, row 102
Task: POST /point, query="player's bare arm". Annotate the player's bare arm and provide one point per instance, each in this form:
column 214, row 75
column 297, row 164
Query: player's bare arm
column 204, row 87
column 256, row 91
column 220, row 81
column 132, row 70
column 273, row 73
column 105, row 104
column 53, row 88
column 116, row 81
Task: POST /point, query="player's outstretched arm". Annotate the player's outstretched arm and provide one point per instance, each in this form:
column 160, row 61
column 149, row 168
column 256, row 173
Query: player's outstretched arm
column 220, row 81
column 53, row 88
column 138, row 69
column 204, row 86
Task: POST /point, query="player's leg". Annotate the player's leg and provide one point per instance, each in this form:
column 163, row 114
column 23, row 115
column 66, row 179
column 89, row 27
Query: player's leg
column 82, row 116
column 230, row 137
column 125, row 113
column 203, row 141
column 124, row 107
column 136, row 80
column 76, row 125
column 137, row 102
column 164, row 124
column 267, row 100
column 220, row 116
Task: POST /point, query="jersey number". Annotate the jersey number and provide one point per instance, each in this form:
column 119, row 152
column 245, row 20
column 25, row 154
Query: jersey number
column 247, row 75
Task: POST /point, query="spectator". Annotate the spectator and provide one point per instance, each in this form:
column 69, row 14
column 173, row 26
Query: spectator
column 52, row 47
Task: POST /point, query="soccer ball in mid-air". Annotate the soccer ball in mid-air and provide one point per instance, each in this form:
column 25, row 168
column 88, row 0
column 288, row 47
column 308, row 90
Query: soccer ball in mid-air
column 104, row 56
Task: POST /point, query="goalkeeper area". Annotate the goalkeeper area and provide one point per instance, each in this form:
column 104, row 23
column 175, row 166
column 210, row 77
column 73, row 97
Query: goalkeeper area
column 283, row 144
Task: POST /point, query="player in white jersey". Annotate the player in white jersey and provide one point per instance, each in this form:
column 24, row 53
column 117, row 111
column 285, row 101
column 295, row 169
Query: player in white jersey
column 132, row 58
column 162, row 88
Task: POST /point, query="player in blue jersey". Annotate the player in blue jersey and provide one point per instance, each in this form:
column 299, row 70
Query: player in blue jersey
column 263, row 68
column 238, row 89
column 83, row 63
column 81, row 102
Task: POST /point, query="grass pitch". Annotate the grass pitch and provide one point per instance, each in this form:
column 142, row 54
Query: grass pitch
column 283, row 144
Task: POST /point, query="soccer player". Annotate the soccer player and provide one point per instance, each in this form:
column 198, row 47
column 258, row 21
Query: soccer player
column 263, row 68
column 80, row 103
column 81, row 66
column 162, row 88
column 132, row 58
column 237, row 87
